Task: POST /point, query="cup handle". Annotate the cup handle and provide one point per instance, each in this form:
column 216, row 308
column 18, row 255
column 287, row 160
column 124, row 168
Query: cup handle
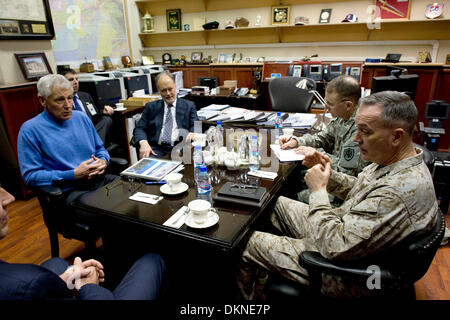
column 211, row 210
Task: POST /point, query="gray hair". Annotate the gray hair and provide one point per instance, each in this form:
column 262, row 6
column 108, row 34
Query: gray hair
column 346, row 87
column 398, row 109
column 46, row 83
column 165, row 73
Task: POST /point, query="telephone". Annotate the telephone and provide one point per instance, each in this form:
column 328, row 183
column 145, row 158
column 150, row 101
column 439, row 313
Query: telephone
column 240, row 92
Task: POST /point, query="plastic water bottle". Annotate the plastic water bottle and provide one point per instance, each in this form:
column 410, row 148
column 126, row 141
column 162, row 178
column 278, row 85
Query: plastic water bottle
column 204, row 185
column 254, row 154
column 220, row 137
column 198, row 160
column 278, row 126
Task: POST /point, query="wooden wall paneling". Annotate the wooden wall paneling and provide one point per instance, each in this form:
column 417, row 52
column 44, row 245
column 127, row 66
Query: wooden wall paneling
column 425, row 89
column 197, row 73
column 244, row 77
column 269, row 68
column 223, row 74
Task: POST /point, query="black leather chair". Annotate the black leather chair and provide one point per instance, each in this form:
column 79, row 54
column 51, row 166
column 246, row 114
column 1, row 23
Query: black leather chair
column 287, row 97
column 400, row 267
column 51, row 199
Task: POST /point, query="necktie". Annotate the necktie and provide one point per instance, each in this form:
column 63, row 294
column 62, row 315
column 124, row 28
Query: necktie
column 77, row 103
column 168, row 125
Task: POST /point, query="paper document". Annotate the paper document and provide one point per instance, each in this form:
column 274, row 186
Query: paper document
column 286, row 155
column 207, row 114
column 300, row 120
column 217, row 107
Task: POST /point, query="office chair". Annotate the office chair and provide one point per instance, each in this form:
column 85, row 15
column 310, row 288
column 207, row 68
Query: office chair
column 286, row 96
column 400, row 267
column 51, row 199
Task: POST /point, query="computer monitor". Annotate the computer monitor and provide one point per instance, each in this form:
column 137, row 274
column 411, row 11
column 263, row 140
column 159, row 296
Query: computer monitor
column 406, row 83
column 210, row 82
column 436, row 111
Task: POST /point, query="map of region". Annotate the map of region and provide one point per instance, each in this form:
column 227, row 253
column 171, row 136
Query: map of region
column 88, row 29
column 22, row 10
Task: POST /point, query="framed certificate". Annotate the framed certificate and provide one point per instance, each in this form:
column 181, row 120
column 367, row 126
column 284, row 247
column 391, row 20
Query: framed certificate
column 393, row 9
column 26, row 19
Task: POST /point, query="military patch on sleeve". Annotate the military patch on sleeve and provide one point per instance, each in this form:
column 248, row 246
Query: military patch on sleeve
column 349, row 157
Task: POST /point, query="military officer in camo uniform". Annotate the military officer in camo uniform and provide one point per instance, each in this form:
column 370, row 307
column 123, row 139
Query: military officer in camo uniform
column 392, row 198
column 336, row 140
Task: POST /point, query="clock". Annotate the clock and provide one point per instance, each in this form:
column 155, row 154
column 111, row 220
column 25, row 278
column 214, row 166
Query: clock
column 167, row 58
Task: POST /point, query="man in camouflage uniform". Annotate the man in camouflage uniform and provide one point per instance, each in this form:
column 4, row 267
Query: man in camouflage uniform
column 391, row 199
column 336, row 140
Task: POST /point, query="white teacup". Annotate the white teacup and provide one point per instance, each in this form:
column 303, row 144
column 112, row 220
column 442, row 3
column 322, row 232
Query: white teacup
column 200, row 139
column 119, row 105
column 200, row 210
column 288, row 132
column 174, row 181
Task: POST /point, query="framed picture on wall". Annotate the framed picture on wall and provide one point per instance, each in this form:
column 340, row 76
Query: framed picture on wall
column 393, row 9
column 280, row 15
column 17, row 24
column 173, row 17
column 33, row 65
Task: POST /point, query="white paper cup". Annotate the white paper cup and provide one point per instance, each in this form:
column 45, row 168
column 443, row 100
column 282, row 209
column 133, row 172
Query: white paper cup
column 174, row 181
column 200, row 209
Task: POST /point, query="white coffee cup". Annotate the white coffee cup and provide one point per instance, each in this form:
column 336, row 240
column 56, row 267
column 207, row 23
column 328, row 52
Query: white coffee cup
column 200, row 209
column 200, row 139
column 288, row 132
column 174, row 181
column 119, row 105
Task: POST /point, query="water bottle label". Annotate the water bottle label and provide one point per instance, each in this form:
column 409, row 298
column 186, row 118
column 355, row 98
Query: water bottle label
column 204, row 189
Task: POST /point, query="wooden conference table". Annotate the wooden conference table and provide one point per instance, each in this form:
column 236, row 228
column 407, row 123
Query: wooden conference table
column 124, row 219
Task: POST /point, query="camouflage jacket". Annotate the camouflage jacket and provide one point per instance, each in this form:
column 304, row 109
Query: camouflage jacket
column 382, row 206
column 336, row 140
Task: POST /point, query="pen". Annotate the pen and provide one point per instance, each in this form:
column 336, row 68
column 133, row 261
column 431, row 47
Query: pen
column 155, row 182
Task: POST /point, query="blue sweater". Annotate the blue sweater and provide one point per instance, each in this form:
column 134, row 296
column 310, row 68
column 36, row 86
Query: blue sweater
column 50, row 149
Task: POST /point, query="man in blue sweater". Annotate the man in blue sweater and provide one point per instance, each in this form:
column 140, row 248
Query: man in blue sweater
column 62, row 148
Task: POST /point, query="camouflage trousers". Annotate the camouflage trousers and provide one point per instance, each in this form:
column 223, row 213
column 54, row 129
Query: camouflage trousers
column 277, row 254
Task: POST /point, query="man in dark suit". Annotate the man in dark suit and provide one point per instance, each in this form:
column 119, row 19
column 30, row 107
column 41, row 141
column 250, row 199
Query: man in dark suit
column 82, row 101
column 159, row 127
column 56, row 279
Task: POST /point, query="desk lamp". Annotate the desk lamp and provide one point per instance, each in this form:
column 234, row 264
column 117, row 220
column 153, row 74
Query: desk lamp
column 306, row 85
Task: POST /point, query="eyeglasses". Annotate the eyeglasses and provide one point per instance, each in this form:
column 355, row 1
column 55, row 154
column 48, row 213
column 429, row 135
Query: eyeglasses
column 245, row 188
column 334, row 104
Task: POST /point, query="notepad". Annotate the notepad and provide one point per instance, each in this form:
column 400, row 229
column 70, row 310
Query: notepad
column 286, row 155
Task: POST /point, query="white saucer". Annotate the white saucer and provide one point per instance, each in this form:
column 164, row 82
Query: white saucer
column 166, row 189
column 212, row 219
column 121, row 109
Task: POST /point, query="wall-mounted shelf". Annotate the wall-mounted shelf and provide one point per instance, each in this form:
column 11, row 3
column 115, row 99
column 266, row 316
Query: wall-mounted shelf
column 390, row 30
column 158, row 7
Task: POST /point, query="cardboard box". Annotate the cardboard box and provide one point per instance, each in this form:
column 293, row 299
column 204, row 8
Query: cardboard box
column 140, row 101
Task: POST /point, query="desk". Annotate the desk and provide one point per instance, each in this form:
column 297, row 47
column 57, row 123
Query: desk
column 252, row 103
column 206, row 253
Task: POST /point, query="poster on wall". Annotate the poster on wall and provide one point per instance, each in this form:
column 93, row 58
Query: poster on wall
column 393, row 9
column 25, row 20
column 88, row 29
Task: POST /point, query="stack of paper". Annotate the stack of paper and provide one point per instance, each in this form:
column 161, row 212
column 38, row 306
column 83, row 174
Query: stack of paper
column 286, row 155
column 300, row 120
